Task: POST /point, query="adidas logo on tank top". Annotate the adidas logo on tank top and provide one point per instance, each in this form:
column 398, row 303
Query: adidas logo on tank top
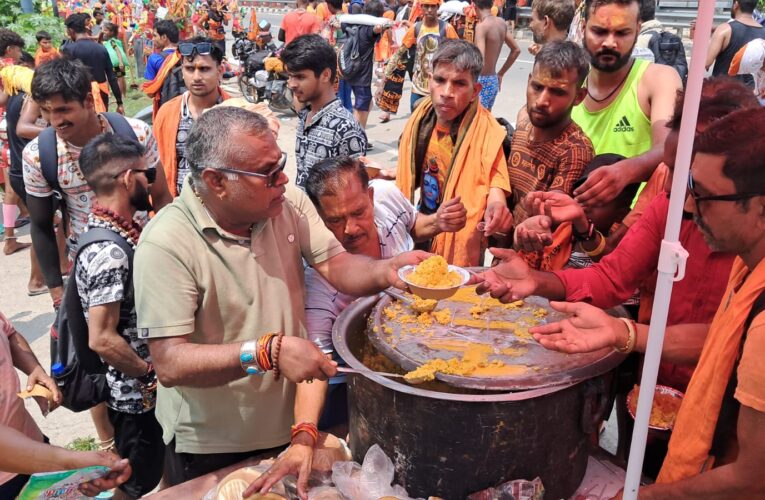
column 624, row 125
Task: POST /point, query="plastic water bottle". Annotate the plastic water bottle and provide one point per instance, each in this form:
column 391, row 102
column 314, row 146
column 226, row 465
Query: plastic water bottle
column 57, row 369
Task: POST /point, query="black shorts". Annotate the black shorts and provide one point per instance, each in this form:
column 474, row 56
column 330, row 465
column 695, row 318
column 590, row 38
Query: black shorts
column 510, row 12
column 17, row 183
column 138, row 437
column 182, row 467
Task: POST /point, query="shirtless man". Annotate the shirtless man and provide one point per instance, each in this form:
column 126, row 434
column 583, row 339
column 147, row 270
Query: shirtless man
column 628, row 101
column 490, row 32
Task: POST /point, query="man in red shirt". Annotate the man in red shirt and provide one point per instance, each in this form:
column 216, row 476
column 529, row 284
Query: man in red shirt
column 298, row 22
column 633, row 263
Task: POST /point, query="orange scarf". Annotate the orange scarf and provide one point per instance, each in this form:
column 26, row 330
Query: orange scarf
column 166, row 131
column 691, row 440
column 476, row 150
column 153, row 87
column 96, row 89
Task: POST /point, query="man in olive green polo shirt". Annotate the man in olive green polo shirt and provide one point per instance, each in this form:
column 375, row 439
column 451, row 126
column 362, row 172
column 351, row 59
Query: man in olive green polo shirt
column 222, row 266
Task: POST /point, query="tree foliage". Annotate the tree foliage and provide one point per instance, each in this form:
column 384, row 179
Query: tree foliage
column 27, row 25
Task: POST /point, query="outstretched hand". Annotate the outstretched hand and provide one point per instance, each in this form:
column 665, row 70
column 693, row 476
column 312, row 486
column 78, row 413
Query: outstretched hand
column 559, row 206
column 533, row 234
column 509, row 280
column 296, row 460
column 602, row 185
column 587, row 329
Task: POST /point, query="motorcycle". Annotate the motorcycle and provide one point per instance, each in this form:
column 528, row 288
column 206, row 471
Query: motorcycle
column 255, row 82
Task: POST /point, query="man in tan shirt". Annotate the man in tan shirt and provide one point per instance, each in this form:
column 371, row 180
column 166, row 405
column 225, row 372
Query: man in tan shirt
column 222, row 267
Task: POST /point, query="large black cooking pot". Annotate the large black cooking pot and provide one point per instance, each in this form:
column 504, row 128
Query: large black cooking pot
column 451, row 442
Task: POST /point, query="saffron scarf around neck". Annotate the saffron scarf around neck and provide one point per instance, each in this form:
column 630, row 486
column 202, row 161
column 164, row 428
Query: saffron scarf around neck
column 477, row 147
column 152, row 88
column 691, row 439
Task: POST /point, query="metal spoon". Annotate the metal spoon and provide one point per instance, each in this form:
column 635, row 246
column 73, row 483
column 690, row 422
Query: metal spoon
column 344, row 369
column 420, row 306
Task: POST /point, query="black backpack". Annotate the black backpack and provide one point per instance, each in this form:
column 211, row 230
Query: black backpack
column 668, row 49
column 46, row 144
column 350, row 59
column 79, row 371
column 173, row 85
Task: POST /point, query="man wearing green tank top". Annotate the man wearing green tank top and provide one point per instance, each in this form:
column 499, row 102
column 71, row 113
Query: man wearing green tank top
column 628, row 101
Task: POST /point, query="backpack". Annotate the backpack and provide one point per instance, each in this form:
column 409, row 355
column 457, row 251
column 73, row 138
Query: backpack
column 79, row 372
column 173, row 84
column 350, row 59
column 668, row 49
column 47, row 147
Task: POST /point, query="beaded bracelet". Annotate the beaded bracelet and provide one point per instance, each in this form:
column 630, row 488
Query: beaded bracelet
column 275, row 356
column 307, row 427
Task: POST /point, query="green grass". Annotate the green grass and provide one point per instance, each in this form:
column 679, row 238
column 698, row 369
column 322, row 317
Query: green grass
column 83, row 444
column 136, row 100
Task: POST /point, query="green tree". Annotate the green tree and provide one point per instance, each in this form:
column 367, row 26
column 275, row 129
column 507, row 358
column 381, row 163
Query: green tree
column 27, row 25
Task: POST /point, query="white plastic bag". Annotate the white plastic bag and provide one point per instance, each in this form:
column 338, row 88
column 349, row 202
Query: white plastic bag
column 369, row 481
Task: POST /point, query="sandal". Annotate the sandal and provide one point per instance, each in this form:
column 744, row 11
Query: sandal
column 33, row 292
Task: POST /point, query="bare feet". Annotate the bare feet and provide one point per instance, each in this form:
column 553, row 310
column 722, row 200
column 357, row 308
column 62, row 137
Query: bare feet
column 12, row 246
column 384, row 117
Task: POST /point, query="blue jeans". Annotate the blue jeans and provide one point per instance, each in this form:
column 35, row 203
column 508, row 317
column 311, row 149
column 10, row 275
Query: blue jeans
column 344, row 94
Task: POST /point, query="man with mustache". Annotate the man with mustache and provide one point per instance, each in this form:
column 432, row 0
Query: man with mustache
column 718, row 441
column 62, row 90
column 452, row 146
column 628, row 101
column 549, row 150
column 201, row 64
column 223, row 312
column 116, row 169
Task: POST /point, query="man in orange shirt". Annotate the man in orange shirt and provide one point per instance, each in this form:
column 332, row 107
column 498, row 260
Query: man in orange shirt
column 298, row 22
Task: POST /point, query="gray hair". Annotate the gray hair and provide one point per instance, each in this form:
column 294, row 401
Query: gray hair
column 327, row 177
column 207, row 145
column 561, row 56
column 464, row 56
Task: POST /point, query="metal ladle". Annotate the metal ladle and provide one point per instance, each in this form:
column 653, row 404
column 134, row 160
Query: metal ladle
column 418, row 305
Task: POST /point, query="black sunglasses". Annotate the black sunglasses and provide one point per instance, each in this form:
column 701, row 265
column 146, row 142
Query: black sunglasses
column 187, row 49
column 271, row 177
column 150, row 173
column 719, row 197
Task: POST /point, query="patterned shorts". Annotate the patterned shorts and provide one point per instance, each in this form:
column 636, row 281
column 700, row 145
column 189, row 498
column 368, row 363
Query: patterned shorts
column 489, row 90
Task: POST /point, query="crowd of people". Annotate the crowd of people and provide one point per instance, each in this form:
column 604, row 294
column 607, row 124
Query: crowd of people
column 210, row 282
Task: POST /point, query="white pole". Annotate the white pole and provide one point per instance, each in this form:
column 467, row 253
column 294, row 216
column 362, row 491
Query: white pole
column 672, row 257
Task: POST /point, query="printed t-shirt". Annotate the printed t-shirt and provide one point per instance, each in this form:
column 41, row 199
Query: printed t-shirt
column 77, row 194
column 427, row 44
column 394, row 219
column 553, row 165
column 438, row 158
column 103, row 275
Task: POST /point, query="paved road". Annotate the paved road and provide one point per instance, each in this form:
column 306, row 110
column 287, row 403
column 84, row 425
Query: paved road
column 32, row 316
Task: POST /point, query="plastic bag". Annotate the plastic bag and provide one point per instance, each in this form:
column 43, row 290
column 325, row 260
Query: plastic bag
column 369, row 481
column 519, row 489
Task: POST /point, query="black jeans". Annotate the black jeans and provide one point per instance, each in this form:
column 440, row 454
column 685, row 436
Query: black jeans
column 138, row 437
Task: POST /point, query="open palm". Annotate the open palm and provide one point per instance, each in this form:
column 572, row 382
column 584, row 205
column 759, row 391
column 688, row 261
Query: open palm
column 587, row 329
